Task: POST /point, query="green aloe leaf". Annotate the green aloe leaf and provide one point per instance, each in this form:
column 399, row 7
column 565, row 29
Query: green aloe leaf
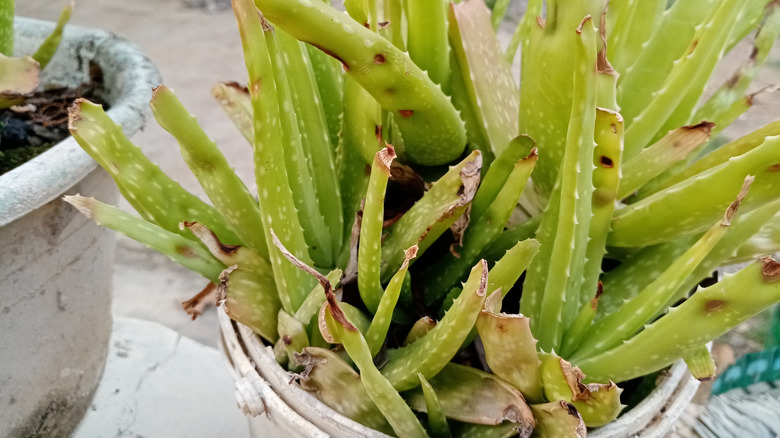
column 276, row 202
column 235, row 101
column 153, row 194
column 429, row 354
column 493, row 95
column 432, row 130
column 46, row 51
column 707, row 314
column 192, row 255
column 437, row 420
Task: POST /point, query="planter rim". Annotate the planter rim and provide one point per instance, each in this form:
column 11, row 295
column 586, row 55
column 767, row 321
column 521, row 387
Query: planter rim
column 257, row 393
column 48, row 175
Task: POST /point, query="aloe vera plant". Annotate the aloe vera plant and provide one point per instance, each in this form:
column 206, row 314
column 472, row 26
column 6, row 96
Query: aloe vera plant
column 20, row 76
column 377, row 130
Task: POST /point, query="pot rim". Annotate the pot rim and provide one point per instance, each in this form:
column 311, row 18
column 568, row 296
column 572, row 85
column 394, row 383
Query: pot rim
column 249, row 362
column 50, row 174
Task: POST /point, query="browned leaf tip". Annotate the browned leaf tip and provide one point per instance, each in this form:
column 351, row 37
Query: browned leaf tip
column 483, row 281
column 409, row 254
column 602, row 63
column 300, row 264
column 599, row 291
column 74, row 113
column 224, row 284
column 385, row 157
column 82, row 204
column 770, row 270
column 201, row 301
column 458, row 229
column 209, row 238
column 704, row 126
column 732, row 210
column 582, row 24
column 309, row 362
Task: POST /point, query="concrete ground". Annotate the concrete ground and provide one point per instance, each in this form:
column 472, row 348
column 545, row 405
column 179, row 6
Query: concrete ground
column 195, row 44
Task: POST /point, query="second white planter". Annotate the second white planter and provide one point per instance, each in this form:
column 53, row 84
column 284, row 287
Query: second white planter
column 56, row 265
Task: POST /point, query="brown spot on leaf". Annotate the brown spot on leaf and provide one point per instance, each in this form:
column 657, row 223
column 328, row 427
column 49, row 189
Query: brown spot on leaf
column 379, row 59
column 714, row 305
column 331, row 54
column 770, row 270
column 773, row 168
column 606, row 162
column 732, row 210
column 541, row 22
column 406, row 113
column 185, row 251
column 287, row 339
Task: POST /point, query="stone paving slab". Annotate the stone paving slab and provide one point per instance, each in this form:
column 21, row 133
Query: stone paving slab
column 158, row 383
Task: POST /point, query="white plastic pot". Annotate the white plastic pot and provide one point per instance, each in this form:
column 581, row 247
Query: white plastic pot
column 279, row 408
column 55, row 265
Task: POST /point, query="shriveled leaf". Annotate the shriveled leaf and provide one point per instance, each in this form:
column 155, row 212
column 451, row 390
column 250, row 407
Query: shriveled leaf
column 473, row 396
column 336, row 384
column 292, row 334
column 598, row 404
column 558, row 419
column 19, row 76
column 510, row 350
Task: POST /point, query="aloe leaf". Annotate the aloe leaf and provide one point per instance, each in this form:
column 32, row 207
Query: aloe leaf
column 498, row 11
column 316, row 297
column 481, row 232
column 510, row 348
column 579, row 327
column 437, row 420
column 504, row 430
column 498, row 172
column 700, row 363
column 669, row 42
column 7, row 27
column 631, row 24
column 20, row 76
column 473, row 396
column 563, row 232
column 360, row 142
column 49, row 46
column 427, row 39
column 598, row 404
column 377, row 332
column 671, row 107
column 475, row 134
column 721, row 20
column 704, row 316
column 622, row 323
column 558, row 419
column 429, row 354
column 247, row 285
column 275, row 193
column 235, row 101
column 378, row 387
column 330, row 86
column 511, row 265
column 179, row 249
column 296, row 158
column 153, row 194
column 510, row 236
column 721, row 155
column 693, row 204
column 292, row 334
column 226, row 191
column 655, row 159
column 734, row 88
column 546, row 78
column 642, row 268
column 369, row 251
column 607, row 162
column 432, row 130
column 432, row 215
column 420, row 328
column 315, row 138
column 492, row 91
column 333, row 381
